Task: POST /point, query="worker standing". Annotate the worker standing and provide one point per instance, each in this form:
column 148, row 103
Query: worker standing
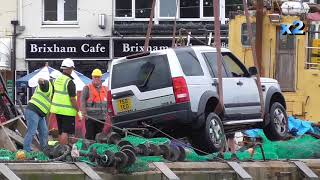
column 36, row 112
column 94, row 104
column 64, row 103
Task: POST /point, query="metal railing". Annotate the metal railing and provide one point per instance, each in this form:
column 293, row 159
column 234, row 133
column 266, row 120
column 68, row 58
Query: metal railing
column 308, row 63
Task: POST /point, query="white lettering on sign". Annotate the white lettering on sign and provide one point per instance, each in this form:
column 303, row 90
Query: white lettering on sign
column 34, row 48
column 223, row 45
column 97, row 48
column 127, row 48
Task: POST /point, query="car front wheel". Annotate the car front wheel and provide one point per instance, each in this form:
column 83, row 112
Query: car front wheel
column 277, row 128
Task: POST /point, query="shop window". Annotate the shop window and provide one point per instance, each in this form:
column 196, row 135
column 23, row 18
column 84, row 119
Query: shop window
column 60, row 12
column 198, row 10
column 189, row 8
column 21, row 89
column 314, row 46
column 50, row 10
column 245, row 34
column 168, row 8
column 124, row 8
column 143, row 8
column 232, row 6
column 207, row 8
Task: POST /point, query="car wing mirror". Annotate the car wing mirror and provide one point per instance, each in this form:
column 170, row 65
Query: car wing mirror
column 253, row 71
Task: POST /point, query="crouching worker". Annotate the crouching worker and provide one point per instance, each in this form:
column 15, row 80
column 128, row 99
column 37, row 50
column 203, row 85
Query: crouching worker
column 36, row 113
column 94, row 104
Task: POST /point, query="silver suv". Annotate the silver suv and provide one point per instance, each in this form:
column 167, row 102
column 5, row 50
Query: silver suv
column 175, row 90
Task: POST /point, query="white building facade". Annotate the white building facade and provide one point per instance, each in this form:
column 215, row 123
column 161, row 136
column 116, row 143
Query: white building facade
column 58, row 29
column 8, row 13
column 94, row 32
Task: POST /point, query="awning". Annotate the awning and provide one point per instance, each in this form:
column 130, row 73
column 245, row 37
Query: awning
column 313, row 16
column 5, row 49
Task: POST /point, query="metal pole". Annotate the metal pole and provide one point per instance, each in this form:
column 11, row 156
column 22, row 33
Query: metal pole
column 146, row 42
column 15, row 23
column 174, row 27
column 249, row 27
column 259, row 28
column 217, row 41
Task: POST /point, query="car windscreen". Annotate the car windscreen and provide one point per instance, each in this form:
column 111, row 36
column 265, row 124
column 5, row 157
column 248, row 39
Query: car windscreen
column 147, row 73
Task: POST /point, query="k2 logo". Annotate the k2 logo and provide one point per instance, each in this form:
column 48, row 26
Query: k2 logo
column 296, row 28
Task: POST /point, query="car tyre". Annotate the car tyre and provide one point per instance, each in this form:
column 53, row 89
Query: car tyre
column 210, row 138
column 277, row 129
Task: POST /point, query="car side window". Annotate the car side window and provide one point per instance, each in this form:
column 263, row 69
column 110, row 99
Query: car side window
column 189, row 63
column 234, row 66
column 211, row 59
column 208, row 65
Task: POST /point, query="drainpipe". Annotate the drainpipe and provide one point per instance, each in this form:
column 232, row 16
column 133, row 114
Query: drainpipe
column 20, row 10
column 15, row 23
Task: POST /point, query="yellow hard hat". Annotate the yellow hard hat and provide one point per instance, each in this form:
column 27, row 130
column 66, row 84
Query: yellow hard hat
column 96, row 72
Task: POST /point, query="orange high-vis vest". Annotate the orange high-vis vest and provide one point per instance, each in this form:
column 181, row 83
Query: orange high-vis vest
column 97, row 102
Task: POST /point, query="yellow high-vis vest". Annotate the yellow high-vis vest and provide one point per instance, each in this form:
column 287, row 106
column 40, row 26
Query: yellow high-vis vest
column 61, row 103
column 42, row 99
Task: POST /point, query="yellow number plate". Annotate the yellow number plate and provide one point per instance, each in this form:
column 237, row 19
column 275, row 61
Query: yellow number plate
column 124, row 104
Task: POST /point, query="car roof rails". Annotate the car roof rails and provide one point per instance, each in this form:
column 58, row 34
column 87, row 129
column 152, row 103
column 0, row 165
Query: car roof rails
column 138, row 55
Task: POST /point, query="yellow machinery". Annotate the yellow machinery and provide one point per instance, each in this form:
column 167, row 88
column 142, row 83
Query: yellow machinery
column 294, row 60
column 314, row 39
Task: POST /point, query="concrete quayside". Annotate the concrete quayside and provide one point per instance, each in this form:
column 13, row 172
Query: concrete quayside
column 286, row 169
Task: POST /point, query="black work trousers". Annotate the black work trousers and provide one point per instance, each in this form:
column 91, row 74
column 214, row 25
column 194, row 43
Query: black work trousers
column 93, row 128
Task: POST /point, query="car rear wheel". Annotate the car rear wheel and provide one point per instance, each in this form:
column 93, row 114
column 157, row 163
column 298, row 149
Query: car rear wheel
column 277, row 129
column 211, row 137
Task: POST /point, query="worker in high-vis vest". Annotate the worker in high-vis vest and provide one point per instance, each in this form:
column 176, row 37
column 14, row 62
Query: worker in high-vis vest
column 94, row 104
column 36, row 112
column 64, row 101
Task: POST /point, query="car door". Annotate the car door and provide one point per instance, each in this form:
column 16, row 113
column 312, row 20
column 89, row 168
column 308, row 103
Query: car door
column 248, row 105
column 229, row 85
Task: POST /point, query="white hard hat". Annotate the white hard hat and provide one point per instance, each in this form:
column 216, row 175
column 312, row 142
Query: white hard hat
column 67, row 63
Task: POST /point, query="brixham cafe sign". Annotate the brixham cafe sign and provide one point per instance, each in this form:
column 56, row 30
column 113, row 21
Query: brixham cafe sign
column 125, row 47
column 67, row 48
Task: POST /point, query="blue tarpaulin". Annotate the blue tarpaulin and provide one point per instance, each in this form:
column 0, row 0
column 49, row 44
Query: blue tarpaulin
column 297, row 127
column 46, row 72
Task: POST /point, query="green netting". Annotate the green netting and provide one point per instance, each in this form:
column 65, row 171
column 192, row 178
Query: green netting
column 191, row 155
column 139, row 140
column 291, row 149
column 8, row 155
column 303, row 147
column 141, row 164
column 37, row 156
column 100, row 148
